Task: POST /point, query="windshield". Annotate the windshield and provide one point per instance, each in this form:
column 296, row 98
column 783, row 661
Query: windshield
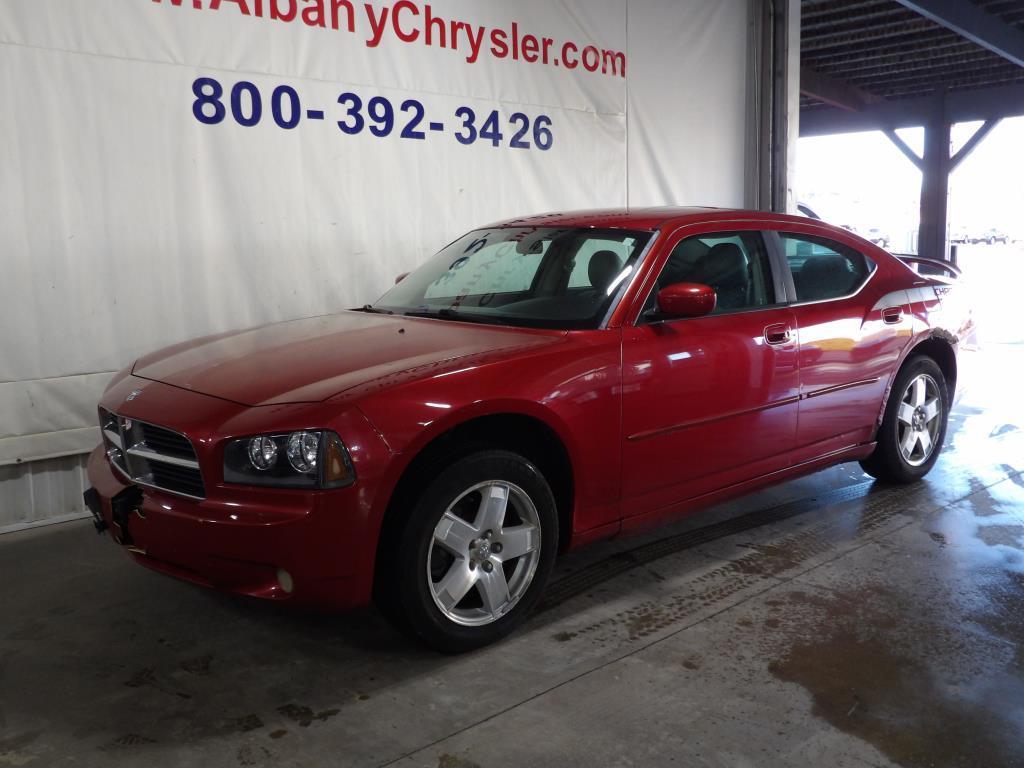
column 544, row 277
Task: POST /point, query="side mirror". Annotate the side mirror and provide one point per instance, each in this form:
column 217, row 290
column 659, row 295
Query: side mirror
column 401, row 277
column 686, row 300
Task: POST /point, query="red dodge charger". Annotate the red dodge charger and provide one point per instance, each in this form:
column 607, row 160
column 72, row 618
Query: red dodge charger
column 538, row 384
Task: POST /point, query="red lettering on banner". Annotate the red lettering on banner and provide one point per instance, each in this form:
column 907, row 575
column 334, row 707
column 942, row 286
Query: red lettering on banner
column 530, row 48
column 404, row 5
column 499, row 43
column 618, row 62
column 432, row 23
column 570, row 63
column 456, row 26
column 313, row 14
column 288, row 15
column 411, row 21
column 376, row 25
column 476, row 42
column 349, row 10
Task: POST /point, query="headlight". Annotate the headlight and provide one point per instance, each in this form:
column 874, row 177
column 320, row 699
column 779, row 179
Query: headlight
column 304, row 459
column 303, row 451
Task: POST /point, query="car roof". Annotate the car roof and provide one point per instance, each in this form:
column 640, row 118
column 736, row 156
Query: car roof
column 643, row 218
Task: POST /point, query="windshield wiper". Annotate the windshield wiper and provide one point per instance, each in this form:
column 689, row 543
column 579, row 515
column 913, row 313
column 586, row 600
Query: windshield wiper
column 451, row 314
column 375, row 310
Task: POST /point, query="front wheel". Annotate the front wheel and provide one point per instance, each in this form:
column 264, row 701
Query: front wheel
column 477, row 551
column 914, row 425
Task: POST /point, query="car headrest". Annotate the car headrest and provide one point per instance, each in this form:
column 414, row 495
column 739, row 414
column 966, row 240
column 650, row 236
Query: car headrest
column 824, row 266
column 603, row 268
column 824, row 276
column 723, row 267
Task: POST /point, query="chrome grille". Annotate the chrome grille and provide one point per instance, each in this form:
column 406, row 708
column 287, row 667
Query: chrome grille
column 151, row 455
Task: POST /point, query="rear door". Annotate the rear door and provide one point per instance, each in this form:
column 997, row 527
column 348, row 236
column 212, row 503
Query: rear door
column 709, row 401
column 849, row 341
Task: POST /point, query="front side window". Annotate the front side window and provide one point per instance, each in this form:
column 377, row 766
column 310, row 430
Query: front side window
column 734, row 264
column 824, row 269
column 546, row 277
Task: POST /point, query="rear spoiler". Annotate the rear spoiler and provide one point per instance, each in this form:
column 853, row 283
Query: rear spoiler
column 944, row 266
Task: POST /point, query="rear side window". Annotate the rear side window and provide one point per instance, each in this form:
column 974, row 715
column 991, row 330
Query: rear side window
column 824, row 269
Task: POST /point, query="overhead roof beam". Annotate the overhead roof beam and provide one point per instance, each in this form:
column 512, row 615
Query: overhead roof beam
column 921, row 90
column 950, row 75
column 836, row 21
column 918, row 28
column 810, row 10
column 937, row 40
column 961, row 107
column 910, row 63
column 833, row 91
column 974, row 23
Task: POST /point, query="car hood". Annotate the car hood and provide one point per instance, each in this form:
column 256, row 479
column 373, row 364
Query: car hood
column 313, row 359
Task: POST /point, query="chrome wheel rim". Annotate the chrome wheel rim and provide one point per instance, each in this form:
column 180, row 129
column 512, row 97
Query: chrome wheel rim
column 919, row 420
column 484, row 553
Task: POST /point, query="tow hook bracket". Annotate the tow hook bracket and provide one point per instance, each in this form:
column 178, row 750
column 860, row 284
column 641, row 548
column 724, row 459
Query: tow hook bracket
column 94, row 505
column 121, row 508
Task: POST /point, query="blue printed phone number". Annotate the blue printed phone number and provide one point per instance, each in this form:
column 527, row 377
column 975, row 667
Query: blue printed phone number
column 245, row 105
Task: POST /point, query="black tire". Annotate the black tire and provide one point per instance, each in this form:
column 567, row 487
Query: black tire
column 412, row 601
column 888, row 462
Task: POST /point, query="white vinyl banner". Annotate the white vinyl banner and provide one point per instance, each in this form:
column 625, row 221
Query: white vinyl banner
column 173, row 168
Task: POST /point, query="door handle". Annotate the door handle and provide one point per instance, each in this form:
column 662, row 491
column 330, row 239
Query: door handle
column 892, row 315
column 780, row 333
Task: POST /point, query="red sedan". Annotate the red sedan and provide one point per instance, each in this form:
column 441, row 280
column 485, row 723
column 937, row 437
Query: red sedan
column 538, row 384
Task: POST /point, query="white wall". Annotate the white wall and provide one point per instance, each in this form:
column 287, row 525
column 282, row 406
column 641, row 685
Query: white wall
column 126, row 224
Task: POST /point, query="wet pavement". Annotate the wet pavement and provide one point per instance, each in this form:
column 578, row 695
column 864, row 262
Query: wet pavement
column 829, row 621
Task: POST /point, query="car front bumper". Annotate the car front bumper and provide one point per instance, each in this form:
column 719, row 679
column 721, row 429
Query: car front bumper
column 307, row 548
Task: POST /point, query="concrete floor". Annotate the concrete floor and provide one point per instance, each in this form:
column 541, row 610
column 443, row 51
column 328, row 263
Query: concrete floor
column 827, row 622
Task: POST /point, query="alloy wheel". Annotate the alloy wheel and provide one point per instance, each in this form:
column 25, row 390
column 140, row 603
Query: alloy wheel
column 919, row 420
column 484, row 553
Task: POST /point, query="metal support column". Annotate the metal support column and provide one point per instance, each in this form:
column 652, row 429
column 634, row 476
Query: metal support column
column 935, row 167
column 768, row 105
column 779, row 162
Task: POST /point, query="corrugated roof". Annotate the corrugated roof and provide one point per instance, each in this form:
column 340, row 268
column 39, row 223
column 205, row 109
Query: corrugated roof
column 890, row 52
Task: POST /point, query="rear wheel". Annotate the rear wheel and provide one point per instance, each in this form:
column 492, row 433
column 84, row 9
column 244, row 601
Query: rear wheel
column 477, row 551
column 914, row 425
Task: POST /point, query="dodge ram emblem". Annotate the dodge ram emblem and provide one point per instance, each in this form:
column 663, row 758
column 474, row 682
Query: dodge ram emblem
column 132, row 395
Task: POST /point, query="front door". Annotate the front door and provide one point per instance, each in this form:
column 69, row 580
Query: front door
column 709, row 401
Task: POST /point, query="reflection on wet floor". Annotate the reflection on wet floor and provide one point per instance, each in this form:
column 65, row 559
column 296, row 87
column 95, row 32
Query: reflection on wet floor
column 920, row 654
column 829, row 621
